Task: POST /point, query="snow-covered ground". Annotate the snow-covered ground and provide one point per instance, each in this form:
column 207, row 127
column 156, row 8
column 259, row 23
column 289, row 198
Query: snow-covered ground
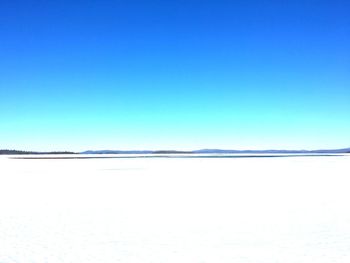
column 175, row 210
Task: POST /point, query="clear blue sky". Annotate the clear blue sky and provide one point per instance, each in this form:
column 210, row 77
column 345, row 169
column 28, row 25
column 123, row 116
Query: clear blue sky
column 182, row 74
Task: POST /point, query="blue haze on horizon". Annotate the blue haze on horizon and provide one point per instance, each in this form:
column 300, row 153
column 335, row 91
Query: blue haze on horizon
column 126, row 74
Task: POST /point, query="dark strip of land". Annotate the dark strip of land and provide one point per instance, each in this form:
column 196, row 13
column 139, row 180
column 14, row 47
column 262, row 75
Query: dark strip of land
column 172, row 156
column 17, row 152
column 166, row 152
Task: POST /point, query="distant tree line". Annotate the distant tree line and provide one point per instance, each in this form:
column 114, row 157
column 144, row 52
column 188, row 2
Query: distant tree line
column 13, row 152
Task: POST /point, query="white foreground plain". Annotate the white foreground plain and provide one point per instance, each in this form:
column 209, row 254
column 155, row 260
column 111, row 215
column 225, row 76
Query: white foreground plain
column 175, row 210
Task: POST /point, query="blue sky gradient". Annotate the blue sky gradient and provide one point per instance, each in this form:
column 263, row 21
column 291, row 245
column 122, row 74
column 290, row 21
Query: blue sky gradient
column 174, row 74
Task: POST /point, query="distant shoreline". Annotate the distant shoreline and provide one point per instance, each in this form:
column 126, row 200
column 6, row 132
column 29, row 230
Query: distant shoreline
column 199, row 156
column 202, row 151
column 18, row 152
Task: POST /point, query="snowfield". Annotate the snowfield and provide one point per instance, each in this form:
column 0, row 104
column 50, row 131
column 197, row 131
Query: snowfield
column 175, row 210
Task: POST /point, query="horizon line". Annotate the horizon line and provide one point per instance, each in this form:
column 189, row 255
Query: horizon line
column 203, row 150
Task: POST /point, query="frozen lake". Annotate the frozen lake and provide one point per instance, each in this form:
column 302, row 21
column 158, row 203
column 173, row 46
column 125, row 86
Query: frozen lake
column 175, row 210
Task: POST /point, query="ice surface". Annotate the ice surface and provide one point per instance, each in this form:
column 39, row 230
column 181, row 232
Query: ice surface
column 175, row 210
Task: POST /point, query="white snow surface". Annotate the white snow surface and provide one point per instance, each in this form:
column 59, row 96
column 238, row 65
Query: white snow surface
column 183, row 210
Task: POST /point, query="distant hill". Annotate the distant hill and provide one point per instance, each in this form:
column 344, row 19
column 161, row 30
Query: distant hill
column 115, row 152
column 248, row 151
column 172, row 152
column 345, row 150
column 217, row 151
